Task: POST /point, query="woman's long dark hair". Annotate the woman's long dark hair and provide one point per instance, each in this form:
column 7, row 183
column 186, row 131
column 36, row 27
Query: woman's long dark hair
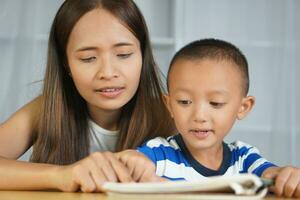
column 62, row 135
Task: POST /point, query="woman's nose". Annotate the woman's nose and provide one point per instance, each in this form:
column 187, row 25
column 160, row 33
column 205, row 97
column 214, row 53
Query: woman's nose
column 106, row 69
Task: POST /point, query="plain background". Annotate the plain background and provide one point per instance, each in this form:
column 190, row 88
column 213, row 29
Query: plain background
column 267, row 31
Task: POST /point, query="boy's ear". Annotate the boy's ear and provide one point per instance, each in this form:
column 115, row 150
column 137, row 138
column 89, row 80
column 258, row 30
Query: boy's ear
column 167, row 101
column 246, row 106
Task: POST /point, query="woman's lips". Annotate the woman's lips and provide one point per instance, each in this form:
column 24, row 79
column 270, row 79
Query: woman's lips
column 111, row 92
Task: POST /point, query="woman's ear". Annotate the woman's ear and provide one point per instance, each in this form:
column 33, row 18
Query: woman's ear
column 246, row 106
column 167, row 102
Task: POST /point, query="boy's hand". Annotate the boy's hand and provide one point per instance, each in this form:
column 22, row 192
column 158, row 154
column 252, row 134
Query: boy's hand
column 140, row 167
column 287, row 180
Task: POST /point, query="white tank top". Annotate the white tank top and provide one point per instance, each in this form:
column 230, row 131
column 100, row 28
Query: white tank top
column 102, row 139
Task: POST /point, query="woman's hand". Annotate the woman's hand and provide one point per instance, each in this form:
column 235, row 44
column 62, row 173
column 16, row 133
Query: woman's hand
column 140, row 167
column 287, row 180
column 89, row 174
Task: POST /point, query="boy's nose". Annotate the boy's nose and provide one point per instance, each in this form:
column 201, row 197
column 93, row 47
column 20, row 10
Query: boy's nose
column 200, row 114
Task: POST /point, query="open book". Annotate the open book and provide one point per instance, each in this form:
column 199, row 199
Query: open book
column 242, row 186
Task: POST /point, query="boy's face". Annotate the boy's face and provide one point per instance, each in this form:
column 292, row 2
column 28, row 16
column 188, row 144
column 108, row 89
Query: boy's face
column 205, row 98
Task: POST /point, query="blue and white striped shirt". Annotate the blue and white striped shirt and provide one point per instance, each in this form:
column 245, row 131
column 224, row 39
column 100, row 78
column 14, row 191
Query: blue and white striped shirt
column 175, row 162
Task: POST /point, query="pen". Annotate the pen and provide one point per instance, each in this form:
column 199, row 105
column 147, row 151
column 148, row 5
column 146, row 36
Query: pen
column 267, row 182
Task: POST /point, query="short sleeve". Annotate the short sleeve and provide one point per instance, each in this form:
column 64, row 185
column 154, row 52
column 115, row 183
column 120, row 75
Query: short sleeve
column 250, row 158
column 256, row 163
column 148, row 152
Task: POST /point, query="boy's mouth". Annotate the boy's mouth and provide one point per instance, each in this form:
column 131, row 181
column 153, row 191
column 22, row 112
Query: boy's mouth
column 201, row 133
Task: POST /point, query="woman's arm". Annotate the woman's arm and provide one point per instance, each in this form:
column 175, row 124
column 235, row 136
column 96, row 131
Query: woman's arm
column 16, row 132
column 86, row 175
column 18, row 175
column 15, row 139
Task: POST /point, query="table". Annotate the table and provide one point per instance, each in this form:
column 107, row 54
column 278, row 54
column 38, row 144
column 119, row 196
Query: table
column 48, row 195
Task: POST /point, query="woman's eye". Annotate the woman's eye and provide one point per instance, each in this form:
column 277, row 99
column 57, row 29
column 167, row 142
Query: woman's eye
column 88, row 60
column 184, row 102
column 217, row 104
column 124, row 55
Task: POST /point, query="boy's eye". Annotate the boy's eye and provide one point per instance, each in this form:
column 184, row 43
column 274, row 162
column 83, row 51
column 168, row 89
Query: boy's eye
column 88, row 60
column 217, row 104
column 124, row 55
column 184, row 102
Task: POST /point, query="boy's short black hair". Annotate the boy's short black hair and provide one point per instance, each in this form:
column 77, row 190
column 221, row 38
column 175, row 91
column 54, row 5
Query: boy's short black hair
column 217, row 50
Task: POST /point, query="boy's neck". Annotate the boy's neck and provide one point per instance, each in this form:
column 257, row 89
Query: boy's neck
column 210, row 158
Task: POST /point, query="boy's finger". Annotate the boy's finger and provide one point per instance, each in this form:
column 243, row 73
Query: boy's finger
column 156, row 178
column 161, row 179
column 272, row 189
column 297, row 192
column 291, row 185
column 281, row 180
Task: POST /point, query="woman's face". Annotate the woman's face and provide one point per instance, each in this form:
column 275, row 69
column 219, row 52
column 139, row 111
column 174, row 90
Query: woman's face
column 105, row 61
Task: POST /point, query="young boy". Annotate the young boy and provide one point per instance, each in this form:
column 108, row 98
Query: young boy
column 208, row 83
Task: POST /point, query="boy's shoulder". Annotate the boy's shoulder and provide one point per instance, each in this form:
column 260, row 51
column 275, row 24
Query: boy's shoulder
column 239, row 144
column 242, row 147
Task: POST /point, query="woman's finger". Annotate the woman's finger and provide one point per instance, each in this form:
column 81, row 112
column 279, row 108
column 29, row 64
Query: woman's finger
column 106, row 168
column 97, row 175
column 120, row 169
column 86, row 182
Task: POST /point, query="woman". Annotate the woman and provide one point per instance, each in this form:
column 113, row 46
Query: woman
column 101, row 93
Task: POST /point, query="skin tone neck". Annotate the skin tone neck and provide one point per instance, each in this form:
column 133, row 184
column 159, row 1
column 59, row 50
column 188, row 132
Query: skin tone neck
column 210, row 158
column 106, row 119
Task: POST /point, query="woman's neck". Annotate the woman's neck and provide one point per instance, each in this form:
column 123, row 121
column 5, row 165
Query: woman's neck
column 107, row 119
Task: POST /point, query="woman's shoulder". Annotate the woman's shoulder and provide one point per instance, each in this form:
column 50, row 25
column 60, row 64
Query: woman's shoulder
column 17, row 131
column 27, row 115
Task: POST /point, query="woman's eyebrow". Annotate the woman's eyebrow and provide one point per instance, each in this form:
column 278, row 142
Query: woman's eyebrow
column 87, row 48
column 123, row 44
column 90, row 48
